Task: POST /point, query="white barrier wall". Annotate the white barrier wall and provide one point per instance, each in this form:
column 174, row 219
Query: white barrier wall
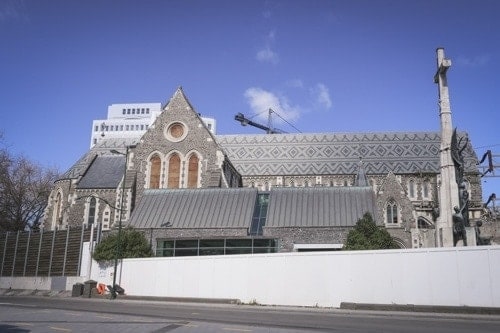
column 465, row 276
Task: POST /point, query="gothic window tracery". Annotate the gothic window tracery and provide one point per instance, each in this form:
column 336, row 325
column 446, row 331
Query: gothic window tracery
column 392, row 212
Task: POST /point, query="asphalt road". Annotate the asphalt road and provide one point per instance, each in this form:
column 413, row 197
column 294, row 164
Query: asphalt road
column 48, row 314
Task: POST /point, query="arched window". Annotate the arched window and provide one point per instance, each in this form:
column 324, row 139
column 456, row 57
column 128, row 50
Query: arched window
column 193, row 171
column 425, row 189
column 174, row 171
column 392, row 212
column 57, row 218
column 92, row 211
column 154, row 174
column 411, row 188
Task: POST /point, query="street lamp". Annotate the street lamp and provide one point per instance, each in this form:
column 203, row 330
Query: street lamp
column 118, row 238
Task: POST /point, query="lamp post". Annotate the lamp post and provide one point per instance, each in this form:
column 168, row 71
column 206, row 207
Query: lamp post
column 118, row 238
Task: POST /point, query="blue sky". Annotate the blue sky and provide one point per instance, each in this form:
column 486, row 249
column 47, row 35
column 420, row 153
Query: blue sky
column 325, row 66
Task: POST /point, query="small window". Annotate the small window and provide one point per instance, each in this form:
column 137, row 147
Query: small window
column 392, row 212
column 124, row 111
column 97, row 128
column 128, row 111
column 126, row 127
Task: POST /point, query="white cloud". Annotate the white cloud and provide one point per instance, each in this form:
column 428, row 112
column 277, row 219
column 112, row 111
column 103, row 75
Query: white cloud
column 261, row 100
column 321, row 95
column 267, row 55
column 476, row 61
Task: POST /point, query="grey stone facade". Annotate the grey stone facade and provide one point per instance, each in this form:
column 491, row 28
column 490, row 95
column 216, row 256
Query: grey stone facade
column 401, row 167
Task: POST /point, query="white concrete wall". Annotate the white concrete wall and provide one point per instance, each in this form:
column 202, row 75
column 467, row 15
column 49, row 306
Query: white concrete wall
column 466, row 276
column 463, row 276
column 40, row 283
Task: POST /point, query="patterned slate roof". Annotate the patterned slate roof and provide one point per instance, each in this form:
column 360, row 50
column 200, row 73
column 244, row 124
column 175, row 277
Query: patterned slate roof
column 337, row 153
column 104, row 172
column 200, row 208
column 340, row 206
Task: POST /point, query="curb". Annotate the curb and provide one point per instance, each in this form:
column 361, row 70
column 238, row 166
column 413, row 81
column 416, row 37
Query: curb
column 421, row 308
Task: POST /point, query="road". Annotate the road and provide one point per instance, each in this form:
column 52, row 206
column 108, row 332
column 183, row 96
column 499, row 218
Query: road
column 52, row 314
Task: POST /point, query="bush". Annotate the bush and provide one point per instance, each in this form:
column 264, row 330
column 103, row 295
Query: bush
column 133, row 244
column 366, row 235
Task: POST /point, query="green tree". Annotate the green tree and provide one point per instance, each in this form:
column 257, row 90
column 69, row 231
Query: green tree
column 133, row 244
column 366, row 235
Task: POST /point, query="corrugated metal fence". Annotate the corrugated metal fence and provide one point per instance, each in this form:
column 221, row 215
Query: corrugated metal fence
column 44, row 253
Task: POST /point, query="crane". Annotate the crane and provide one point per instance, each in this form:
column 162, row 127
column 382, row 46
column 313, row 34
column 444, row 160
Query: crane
column 269, row 128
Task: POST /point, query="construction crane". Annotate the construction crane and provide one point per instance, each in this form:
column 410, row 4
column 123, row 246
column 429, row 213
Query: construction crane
column 269, row 128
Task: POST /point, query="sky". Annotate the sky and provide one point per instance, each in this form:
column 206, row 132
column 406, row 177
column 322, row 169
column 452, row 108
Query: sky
column 324, row 66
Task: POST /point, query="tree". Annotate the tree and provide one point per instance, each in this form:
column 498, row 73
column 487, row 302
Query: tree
column 366, row 235
column 133, row 244
column 24, row 190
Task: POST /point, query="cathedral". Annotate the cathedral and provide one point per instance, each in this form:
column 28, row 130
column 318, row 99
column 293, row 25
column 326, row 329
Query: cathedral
column 193, row 192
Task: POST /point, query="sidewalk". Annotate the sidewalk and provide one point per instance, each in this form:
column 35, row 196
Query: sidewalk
column 343, row 305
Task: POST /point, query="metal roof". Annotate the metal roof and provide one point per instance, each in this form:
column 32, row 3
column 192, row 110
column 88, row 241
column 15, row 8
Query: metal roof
column 319, row 206
column 195, row 208
column 104, row 172
column 233, row 207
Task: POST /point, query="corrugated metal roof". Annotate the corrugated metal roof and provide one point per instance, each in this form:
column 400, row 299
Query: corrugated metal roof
column 195, row 208
column 104, row 172
column 319, row 206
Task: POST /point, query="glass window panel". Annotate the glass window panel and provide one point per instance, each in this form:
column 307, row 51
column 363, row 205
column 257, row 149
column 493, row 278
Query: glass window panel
column 186, row 252
column 164, row 253
column 189, row 243
column 239, row 243
column 211, row 243
column 263, row 243
column 211, row 251
column 238, row 250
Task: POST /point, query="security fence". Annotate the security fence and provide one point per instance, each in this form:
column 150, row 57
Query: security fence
column 44, row 253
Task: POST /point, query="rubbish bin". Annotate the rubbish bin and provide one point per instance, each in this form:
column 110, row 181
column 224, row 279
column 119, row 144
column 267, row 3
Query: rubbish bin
column 87, row 288
column 77, row 290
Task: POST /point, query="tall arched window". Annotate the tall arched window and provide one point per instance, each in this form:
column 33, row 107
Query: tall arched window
column 411, row 188
column 174, row 171
column 57, row 218
column 154, row 175
column 425, row 189
column 193, row 171
column 92, row 211
column 392, row 212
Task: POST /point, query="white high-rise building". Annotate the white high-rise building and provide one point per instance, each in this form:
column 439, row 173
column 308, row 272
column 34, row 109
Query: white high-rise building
column 130, row 120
